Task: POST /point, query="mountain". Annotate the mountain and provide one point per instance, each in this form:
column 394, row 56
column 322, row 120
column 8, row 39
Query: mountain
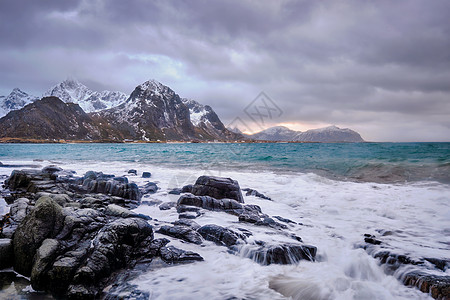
column 277, row 133
column 72, row 91
column 155, row 112
column 330, row 134
column 207, row 123
column 15, row 100
column 51, row 118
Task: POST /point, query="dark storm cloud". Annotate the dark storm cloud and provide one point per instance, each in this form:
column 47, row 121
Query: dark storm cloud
column 381, row 67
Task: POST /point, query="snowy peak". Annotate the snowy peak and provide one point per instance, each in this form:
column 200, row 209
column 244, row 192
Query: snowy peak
column 72, row 91
column 330, row 134
column 15, row 100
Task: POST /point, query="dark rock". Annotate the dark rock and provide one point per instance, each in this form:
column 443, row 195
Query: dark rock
column 146, row 175
column 206, row 202
column 251, row 192
column 187, row 188
column 121, row 179
column 281, row 254
column 189, row 215
column 44, row 221
column 132, row 171
column 218, row 187
column 19, row 209
column 186, row 208
column 441, row 264
column 175, row 191
column 372, row 241
column 174, row 255
column 220, row 235
column 152, row 202
column 188, row 223
column 281, row 219
column 51, row 169
column 118, row 211
column 437, row 286
column 6, row 253
column 167, row 205
column 181, row 232
column 269, row 222
column 249, row 218
column 148, row 188
column 43, row 259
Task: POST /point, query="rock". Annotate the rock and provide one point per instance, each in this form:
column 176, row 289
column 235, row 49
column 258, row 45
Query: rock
column 249, row 218
column 220, row 235
column 251, row 192
column 269, row 222
column 132, row 171
column 6, row 253
column 152, row 202
column 118, row 211
column 188, row 223
column 206, row 202
column 280, row 254
column 146, row 175
column 149, row 187
column 61, row 199
column 175, row 191
column 44, row 221
column 44, row 257
column 284, row 220
column 167, row 205
column 19, row 209
column 187, row 188
column 51, row 169
column 121, row 179
column 189, row 215
column 181, row 232
column 174, row 255
column 437, row 286
column 218, row 187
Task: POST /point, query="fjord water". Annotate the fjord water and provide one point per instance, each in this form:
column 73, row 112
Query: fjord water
column 336, row 192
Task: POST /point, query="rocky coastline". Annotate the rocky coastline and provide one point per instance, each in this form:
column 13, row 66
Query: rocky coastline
column 76, row 237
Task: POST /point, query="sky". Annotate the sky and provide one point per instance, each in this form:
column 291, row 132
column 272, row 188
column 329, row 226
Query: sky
column 381, row 68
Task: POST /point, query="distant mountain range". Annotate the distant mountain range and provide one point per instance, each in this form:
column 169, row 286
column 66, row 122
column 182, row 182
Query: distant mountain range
column 152, row 112
column 328, row 134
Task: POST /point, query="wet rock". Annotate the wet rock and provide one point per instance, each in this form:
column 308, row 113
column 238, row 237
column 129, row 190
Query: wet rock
column 188, row 223
column 19, row 209
column 6, row 253
column 132, row 172
column 44, row 257
column 121, row 212
column 441, row 264
column 220, row 235
column 44, row 221
column 206, row 202
column 175, row 255
column 280, row 254
column 218, row 188
column 249, row 218
column 175, row 191
column 187, row 188
column 152, row 202
column 281, row 219
column 148, row 188
column 269, row 222
column 167, row 205
column 181, row 232
column 252, row 192
column 437, row 286
column 189, row 215
column 368, row 238
column 51, row 169
column 146, row 175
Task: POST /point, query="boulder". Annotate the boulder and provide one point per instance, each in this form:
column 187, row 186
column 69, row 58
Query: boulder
column 172, row 255
column 252, row 192
column 6, row 253
column 146, row 175
column 44, row 257
column 167, row 205
column 51, row 169
column 19, row 209
column 132, row 172
column 220, row 235
column 181, row 232
column 280, row 254
column 187, row 188
column 44, row 221
column 188, row 223
column 148, row 188
column 121, row 212
column 218, row 187
column 437, row 286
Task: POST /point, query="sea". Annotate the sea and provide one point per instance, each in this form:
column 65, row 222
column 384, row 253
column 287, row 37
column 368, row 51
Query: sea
column 335, row 193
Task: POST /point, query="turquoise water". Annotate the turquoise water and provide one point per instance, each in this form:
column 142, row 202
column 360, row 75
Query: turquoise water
column 378, row 162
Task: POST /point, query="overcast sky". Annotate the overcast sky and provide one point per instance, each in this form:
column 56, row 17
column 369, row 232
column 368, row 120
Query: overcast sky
column 379, row 67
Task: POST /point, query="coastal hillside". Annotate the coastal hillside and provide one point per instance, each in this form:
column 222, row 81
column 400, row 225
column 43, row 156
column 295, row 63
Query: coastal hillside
column 330, row 134
column 52, row 119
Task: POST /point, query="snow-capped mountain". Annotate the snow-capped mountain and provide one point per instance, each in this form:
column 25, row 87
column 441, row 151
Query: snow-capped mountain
column 72, row 91
column 277, row 133
column 155, row 112
column 330, row 134
column 15, row 100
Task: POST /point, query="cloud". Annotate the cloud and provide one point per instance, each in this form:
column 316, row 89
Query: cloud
column 363, row 64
